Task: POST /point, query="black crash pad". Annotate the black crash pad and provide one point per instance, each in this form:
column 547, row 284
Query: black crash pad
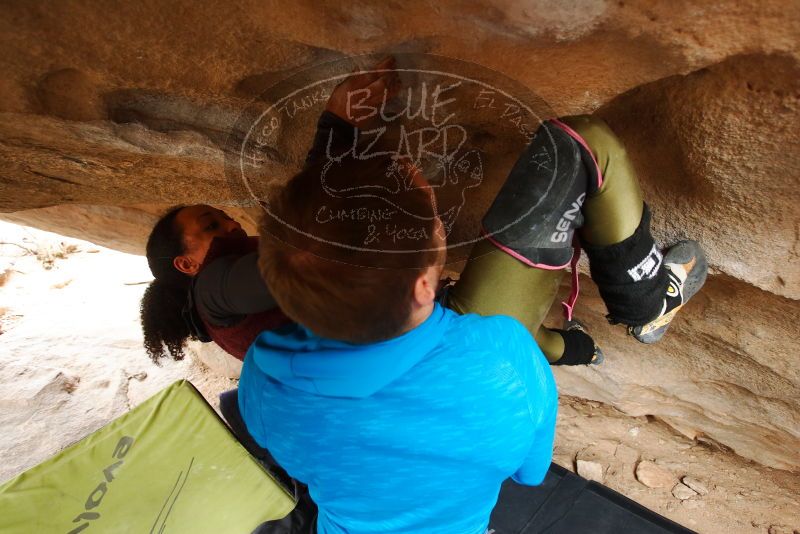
column 568, row 503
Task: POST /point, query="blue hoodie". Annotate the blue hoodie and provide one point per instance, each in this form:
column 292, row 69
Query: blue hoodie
column 414, row 434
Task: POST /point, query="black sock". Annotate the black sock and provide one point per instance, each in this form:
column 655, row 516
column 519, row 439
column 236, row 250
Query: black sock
column 630, row 275
column 578, row 348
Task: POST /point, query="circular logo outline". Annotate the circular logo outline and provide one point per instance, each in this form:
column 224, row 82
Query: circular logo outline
column 247, row 139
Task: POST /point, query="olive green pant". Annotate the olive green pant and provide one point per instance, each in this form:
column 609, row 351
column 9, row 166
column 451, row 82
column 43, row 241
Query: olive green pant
column 495, row 283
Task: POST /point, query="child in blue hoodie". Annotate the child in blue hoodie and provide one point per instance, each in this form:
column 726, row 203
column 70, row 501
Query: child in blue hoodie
column 411, row 434
column 399, row 414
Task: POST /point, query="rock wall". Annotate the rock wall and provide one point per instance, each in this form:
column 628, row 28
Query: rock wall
column 725, row 374
column 110, row 113
column 717, row 151
column 122, row 228
column 718, row 155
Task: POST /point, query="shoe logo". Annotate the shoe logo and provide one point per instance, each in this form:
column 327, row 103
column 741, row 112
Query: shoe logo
column 648, row 267
column 674, row 289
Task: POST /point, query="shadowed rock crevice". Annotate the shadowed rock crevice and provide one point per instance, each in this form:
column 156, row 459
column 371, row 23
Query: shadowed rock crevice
column 167, row 114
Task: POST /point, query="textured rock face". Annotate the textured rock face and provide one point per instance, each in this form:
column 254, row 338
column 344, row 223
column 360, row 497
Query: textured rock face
column 717, row 151
column 724, row 374
column 137, row 111
column 107, row 116
column 123, row 228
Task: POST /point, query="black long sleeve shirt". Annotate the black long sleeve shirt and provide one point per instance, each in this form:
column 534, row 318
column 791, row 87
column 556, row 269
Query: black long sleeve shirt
column 231, row 287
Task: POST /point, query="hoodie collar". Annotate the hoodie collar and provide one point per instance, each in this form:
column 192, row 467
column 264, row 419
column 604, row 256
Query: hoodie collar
column 296, row 357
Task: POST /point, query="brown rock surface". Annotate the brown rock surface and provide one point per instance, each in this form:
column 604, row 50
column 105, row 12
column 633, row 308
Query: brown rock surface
column 718, row 155
column 590, row 470
column 720, row 375
column 743, row 496
column 653, row 475
column 697, row 486
column 123, row 228
column 109, row 114
column 173, row 79
column 683, row 492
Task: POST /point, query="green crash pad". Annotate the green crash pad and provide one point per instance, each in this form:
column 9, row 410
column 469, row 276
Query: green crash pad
column 168, row 465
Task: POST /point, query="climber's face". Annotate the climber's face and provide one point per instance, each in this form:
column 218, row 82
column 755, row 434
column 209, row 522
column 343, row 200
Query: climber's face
column 200, row 225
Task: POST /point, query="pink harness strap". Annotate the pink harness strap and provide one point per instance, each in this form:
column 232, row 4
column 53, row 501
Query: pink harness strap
column 519, row 256
column 569, row 304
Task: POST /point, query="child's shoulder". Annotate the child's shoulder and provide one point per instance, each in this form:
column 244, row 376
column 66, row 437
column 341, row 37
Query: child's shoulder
column 487, row 323
column 496, row 331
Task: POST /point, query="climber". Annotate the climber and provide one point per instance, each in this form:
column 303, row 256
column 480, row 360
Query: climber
column 400, row 414
column 574, row 175
column 206, row 285
column 516, row 270
column 206, row 281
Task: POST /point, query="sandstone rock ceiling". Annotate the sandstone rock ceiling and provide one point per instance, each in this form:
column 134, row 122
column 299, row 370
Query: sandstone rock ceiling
column 111, row 111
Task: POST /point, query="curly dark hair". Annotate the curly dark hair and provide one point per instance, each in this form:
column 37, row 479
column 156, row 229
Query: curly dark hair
column 167, row 295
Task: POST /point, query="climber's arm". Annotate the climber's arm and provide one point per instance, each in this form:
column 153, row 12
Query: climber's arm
column 230, row 287
column 352, row 106
column 334, row 137
column 534, row 371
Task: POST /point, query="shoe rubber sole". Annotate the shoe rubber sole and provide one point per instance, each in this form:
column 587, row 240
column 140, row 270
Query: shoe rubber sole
column 681, row 253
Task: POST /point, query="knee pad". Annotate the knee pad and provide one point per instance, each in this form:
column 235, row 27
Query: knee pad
column 536, row 212
column 630, row 275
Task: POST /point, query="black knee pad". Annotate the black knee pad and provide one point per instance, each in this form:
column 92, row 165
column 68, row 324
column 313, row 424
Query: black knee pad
column 536, row 212
column 630, row 275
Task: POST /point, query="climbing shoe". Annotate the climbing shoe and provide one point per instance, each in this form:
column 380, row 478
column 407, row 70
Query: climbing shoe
column 686, row 267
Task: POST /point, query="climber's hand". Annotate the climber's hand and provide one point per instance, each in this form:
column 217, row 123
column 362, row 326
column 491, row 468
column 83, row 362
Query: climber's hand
column 358, row 98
